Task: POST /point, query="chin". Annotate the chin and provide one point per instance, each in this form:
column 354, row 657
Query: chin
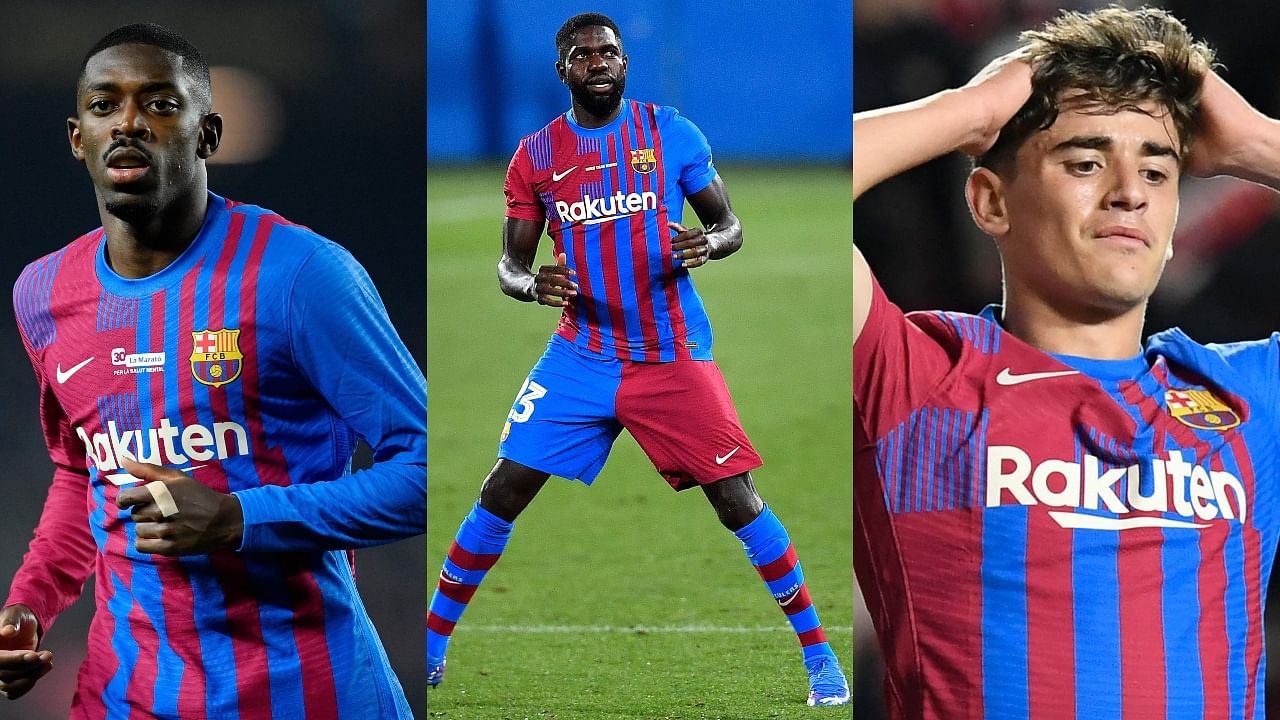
column 133, row 209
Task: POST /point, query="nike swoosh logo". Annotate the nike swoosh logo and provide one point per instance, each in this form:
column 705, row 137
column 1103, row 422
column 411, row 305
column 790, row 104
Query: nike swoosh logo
column 557, row 177
column 788, row 601
column 1007, row 378
column 722, row 460
column 65, row 376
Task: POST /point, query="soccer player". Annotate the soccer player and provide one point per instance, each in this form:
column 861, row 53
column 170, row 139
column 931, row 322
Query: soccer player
column 205, row 370
column 608, row 179
column 1055, row 518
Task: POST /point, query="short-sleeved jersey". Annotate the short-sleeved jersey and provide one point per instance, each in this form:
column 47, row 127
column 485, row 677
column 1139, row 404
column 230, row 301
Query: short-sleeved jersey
column 253, row 362
column 607, row 194
column 1044, row 536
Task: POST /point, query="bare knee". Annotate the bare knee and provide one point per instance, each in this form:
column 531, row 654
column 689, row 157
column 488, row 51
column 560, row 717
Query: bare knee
column 735, row 500
column 509, row 488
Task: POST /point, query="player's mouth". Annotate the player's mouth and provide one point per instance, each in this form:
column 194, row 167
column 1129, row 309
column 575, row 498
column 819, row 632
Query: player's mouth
column 602, row 85
column 126, row 165
column 1124, row 235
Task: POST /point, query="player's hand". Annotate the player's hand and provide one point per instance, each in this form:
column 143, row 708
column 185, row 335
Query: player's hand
column 1229, row 122
column 998, row 91
column 554, row 285
column 205, row 520
column 22, row 663
column 689, row 248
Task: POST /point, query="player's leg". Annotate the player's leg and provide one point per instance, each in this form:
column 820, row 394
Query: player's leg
column 483, row 535
column 560, row 424
column 769, row 548
column 683, row 418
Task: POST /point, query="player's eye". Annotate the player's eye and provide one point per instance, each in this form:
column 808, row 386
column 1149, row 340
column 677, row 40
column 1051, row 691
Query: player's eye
column 1084, row 167
column 100, row 106
column 1155, row 177
column 162, row 106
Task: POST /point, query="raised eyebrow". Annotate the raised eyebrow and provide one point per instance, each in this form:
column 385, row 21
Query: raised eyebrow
column 1150, row 148
column 1084, row 142
column 1155, row 149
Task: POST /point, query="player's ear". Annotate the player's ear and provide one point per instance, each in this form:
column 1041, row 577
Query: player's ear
column 73, row 136
column 985, row 193
column 210, row 136
column 560, row 70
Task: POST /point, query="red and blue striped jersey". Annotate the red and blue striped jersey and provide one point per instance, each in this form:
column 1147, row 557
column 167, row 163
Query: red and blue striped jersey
column 253, row 362
column 607, row 194
column 1045, row 536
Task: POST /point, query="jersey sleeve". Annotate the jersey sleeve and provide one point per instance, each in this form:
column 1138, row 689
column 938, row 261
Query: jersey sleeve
column 696, row 168
column 522, row 202
column 344, row 344
column 897, row 364
column 61, row 554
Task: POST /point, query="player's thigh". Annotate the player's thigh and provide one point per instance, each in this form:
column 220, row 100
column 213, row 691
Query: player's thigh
column 683, row 417
column 562, row 421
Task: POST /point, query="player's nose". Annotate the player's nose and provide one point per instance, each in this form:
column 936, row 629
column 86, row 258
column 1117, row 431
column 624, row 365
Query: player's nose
column 1128, row 190
column 131, row 122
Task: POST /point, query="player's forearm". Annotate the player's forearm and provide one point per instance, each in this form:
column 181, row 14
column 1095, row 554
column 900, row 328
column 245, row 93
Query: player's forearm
column 516, row 279
column 895, row 139
column 381, row 504
column 1259, row 158
column 724, row 238
column 60, row 557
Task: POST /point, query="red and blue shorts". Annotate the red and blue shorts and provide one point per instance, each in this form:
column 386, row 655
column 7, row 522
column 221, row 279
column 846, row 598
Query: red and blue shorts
column 573, row 405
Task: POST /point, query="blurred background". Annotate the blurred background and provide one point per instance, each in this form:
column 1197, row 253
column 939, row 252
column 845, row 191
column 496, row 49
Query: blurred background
column 625, row 599
column 916, row 233
column 323, row 107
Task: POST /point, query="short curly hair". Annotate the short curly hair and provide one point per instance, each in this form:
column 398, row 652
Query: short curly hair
column 1120, row 58
column 564, row 36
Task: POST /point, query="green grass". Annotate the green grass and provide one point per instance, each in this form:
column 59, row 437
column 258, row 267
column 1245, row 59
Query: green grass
column 628, row 552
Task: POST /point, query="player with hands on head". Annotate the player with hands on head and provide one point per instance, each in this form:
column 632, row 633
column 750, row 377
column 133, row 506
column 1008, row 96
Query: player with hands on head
column 1056, row 518
column 608, row 181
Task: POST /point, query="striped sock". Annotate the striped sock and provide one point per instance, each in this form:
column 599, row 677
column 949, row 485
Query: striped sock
column 769, row 549
column 477, row 546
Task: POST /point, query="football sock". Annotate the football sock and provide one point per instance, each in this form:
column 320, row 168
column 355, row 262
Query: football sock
column 477, row 546
column 769, row 549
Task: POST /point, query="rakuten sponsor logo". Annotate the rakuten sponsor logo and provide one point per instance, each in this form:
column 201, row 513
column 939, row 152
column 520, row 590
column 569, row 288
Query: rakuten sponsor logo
column 167, row 444
column 596, row 210
column 1191, row 491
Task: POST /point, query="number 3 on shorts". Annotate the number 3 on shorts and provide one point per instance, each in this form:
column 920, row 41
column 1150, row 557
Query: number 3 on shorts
column 523, row 408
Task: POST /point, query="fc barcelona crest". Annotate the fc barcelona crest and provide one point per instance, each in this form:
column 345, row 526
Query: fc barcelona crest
column 215, row 356
column 643, row 161
column 1200, row 409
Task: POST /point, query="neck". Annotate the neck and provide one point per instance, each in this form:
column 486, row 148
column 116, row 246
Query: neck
column 141, row 247
column 585, row 119
column 1090, row 333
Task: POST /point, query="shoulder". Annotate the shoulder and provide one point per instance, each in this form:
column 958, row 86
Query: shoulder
column 1251, row 363
column 280, row 248
column 39, row 273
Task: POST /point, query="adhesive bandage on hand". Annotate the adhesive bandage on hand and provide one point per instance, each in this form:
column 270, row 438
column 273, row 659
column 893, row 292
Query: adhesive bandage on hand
column 164, row 499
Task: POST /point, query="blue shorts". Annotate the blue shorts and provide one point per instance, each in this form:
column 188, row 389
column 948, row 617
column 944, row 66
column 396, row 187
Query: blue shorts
column 573, row 405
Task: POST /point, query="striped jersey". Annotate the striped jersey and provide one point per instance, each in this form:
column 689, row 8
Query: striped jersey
column 253, row 362
column 607, row 194
column 1046, row 536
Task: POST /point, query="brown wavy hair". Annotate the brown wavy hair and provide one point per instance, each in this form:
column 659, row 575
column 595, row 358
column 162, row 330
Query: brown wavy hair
column 1119, row 58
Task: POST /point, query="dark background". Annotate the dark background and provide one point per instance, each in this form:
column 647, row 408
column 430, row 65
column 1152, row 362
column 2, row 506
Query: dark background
column 343, row 85
column 916, row 233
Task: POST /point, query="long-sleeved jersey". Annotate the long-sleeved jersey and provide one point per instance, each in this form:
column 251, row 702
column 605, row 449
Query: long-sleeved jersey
column 253, row 362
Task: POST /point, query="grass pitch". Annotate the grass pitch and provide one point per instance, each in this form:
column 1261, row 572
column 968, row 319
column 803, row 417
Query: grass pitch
column 626, row 600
